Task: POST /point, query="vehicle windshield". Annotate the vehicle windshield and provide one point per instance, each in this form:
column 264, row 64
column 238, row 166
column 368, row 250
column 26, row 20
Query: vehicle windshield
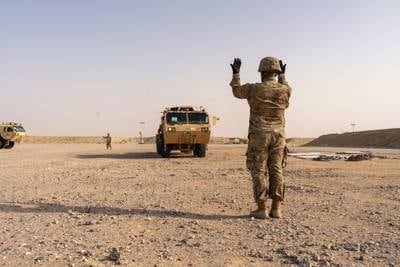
column 176, row 118
column 200, row 118
column 19, row 129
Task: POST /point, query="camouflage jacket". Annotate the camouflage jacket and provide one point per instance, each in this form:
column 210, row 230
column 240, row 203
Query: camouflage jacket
column 108, row 139
column 267, row 100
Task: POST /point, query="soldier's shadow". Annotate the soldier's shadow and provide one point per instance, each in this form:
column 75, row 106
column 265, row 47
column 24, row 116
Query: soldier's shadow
column 131, row 155
column 60, row 208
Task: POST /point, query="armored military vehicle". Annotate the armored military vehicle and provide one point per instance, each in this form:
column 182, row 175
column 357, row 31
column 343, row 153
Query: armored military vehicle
column 185, row 129
column 10, row 133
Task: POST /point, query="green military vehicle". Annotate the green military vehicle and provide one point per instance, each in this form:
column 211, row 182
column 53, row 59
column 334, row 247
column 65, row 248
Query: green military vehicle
column 11, row 133
column 185, row 129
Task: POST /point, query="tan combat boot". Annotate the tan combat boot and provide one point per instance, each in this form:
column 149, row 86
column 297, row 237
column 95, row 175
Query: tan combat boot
column 276, row 209
column 261, row 211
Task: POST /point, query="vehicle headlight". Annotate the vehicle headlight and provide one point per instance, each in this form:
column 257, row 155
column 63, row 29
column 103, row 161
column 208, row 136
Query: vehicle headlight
column 205, row 129
column 171, row 129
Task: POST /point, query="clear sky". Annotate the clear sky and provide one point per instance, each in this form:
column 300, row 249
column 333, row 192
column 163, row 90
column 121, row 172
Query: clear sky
column 88, row 67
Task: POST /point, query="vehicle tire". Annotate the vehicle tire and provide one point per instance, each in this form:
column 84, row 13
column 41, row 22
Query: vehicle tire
column 2, row 143
column 158, row 148
column 158, row 144
column 196, row 150
column 10, row 145
column 165, row 150
column 202, row 150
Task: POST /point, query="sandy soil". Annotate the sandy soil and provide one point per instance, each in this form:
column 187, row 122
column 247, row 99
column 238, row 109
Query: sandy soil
column 79, row 205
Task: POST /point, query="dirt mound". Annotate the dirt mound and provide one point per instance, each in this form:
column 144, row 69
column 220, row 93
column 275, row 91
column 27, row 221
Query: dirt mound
column 298, row 141
column 386, row 138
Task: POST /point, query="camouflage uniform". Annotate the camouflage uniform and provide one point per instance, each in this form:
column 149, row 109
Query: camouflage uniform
column 108, row 141
column 265, row 153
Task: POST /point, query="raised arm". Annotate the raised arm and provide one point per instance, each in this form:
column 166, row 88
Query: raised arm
column 239, row 91
column 282, row 77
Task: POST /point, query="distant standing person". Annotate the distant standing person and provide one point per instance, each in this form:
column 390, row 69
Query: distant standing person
column 108, row 141
column 265, row 152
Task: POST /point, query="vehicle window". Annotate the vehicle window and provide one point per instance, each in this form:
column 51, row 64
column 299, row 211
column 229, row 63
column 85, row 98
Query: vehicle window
column 19, row 129
column 176, row 118
column 9, row 129
column 198, row 118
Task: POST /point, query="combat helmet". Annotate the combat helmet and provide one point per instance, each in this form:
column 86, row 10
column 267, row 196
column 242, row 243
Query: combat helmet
column 269, row 64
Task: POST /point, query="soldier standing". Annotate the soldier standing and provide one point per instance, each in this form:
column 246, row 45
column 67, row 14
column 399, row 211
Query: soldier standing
column 108, row 141
column 265, row 152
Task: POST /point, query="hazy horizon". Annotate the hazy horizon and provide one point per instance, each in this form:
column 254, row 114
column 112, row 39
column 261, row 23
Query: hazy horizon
column 150, row 135
column 84, row 68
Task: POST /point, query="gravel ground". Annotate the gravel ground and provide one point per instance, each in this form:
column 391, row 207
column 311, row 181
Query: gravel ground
column 79, row 205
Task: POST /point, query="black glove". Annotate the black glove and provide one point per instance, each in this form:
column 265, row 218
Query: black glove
column 283, row 66
column 236, row 65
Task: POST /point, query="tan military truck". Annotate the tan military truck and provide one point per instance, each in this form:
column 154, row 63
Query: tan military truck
column 185, row 129
column 10, row 133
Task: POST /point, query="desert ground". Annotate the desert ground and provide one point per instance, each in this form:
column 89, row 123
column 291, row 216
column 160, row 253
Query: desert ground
column 80, row 205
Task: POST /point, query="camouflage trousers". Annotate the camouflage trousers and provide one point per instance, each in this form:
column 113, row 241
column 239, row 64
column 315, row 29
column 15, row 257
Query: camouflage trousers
column 265, row 158
column 108, row 145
